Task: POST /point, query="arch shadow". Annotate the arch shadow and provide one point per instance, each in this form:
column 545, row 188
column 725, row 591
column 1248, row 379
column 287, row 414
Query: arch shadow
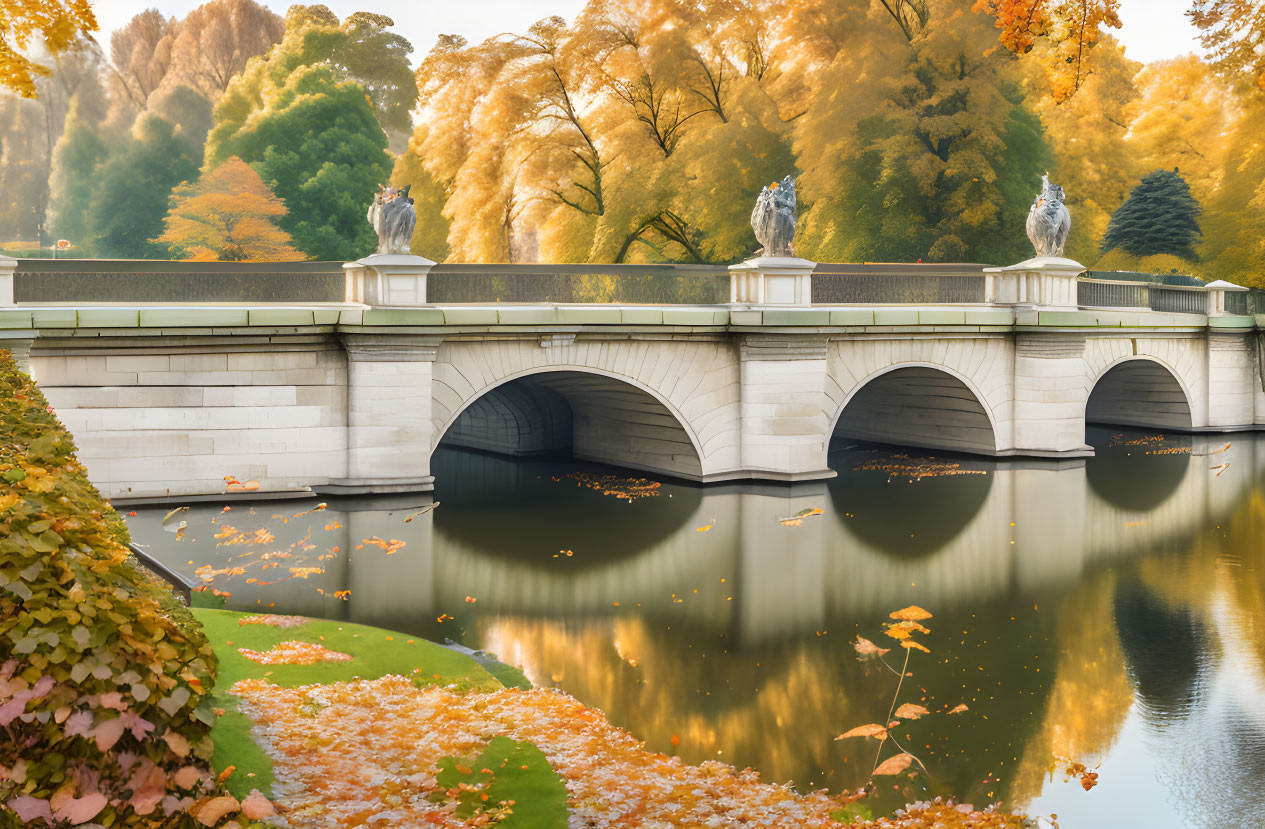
column 918, row 405
column 1139, row 391
column 579, row 413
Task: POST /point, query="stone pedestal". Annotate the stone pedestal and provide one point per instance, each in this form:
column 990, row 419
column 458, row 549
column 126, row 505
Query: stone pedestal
column 388, row 280
column 7, row 266
column 1043, row 282
column 772, row 280
column 1216, row 297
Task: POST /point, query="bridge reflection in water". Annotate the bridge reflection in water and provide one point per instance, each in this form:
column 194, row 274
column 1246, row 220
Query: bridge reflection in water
column 1083, row 607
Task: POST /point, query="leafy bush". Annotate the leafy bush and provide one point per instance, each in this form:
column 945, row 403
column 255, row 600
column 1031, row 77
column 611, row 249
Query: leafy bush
column 103, row 674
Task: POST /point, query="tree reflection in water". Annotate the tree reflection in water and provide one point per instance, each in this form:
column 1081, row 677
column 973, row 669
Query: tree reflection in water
column 1101, row 612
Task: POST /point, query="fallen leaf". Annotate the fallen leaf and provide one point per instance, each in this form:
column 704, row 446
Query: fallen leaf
column 874, row 730
column 421, row 511
column 959, row 709
column 910, row 711
column 865, row 647
column 894, row 765
column 910, row 643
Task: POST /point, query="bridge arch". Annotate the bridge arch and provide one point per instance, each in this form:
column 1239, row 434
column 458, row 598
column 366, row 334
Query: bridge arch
column 580, row 411
column 1139, row 390
column 918, row 404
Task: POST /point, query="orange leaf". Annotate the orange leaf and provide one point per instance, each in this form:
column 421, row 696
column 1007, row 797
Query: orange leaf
column 872, row 730
column 910, row 643
column 910, row 711
column 959, row 709
column 913, row 613
column 895, row 765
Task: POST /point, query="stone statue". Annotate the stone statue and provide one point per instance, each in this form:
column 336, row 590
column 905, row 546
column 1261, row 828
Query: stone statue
column 1048, row 220
column 773, row 218
column 393, row 217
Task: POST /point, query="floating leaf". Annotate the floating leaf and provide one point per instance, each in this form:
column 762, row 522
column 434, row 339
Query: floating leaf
column 874, row 730
column 421, row 511
column 910, row 643
column 958, row 709
column 913, row 613
column 910, row 711
column 894, row 765
column 865, row 647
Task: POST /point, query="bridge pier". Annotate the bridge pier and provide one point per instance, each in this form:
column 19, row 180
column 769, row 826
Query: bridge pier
column 389, row 428
column 1049, row 401
column 784, row 426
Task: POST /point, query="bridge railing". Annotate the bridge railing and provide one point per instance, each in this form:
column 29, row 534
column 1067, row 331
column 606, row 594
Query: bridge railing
column 79, row 281
column 1185, row 299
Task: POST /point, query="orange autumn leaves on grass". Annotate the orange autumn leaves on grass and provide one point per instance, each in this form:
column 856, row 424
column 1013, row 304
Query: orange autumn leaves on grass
column 366, row 752
column 228, row 215
column 295, row 653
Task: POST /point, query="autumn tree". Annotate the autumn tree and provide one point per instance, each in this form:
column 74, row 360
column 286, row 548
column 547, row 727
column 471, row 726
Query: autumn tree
column 1233, row 34
column 1161, row 217
column 1093, row 160
column 228, row 215
column 54, row 25
column 140, row 55
column 1067, row 29
column 130, row 192
column 1234, row 222
column 936, row 159
column 213, row 43
column 1180, row 119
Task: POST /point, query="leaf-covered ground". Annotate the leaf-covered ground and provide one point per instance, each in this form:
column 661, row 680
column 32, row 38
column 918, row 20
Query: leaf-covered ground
column 375, row 653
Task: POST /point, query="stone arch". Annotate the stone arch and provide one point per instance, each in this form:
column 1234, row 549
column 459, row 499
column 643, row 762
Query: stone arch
column 693, row 385
column 1139, row 390
column 588, row 413
column 923, row 405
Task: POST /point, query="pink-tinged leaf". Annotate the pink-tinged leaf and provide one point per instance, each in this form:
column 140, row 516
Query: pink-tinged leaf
column 113, row 700
column 178, row 744
column 874, row 730
column 172, row 804
column 15, row 707
column 42, row 686
column 187, row 777
column 138, row 725
column 149, row 787
column 79, row 724
column 910, row 711
column 256, row 806
column 78, row 810
column 108, row 733
column 209, row 813
column 29, row 809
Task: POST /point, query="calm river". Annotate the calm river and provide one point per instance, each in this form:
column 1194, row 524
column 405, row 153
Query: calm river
column 1110, row 612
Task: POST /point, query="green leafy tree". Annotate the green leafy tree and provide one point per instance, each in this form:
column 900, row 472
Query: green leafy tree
column 130, row 194
column 311, row 133
column 1160, row 217
column 79, row 154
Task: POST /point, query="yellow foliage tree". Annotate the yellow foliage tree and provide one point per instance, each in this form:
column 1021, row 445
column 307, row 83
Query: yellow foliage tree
column 228, row 215
column 1180, row 119
column 53, row 24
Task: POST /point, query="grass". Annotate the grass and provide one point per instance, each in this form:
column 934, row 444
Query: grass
column 375, row 652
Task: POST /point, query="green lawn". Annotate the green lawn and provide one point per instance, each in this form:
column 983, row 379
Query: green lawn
column 375, row 652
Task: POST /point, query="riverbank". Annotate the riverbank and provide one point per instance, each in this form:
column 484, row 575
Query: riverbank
column 360, row 726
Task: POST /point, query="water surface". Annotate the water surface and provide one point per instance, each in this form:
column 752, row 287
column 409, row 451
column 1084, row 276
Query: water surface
column 1108, row 612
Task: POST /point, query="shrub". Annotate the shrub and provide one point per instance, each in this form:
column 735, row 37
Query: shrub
column 103, row 674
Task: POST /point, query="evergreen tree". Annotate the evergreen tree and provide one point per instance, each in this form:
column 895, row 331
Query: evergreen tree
column 130, row 194
column 1160, row 217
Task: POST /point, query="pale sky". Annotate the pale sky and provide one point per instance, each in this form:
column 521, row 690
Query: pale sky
column 1153, row 29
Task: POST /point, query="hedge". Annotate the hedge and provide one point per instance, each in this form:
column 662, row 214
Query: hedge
column 104, row 676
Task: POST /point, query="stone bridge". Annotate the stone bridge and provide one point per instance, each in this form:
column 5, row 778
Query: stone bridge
column 166, row 400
